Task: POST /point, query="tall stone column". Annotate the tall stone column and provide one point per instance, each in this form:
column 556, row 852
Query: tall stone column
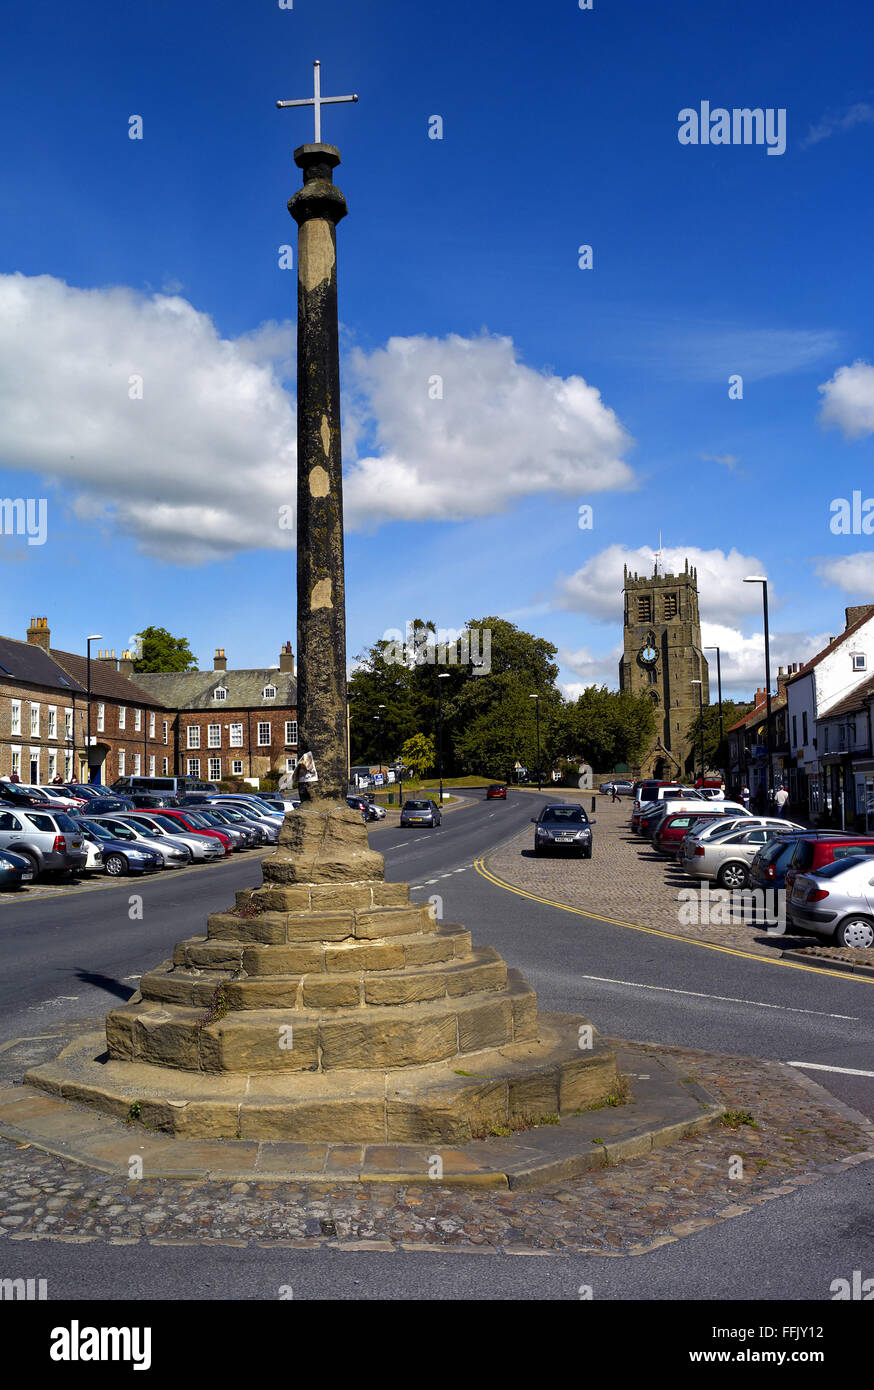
column 321, row 606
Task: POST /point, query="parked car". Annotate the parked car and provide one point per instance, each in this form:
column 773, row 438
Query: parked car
column 715, row 828
column 149, row 801
column 622, row 788
column 187, row 819
column 563, row 827
column 103, row 805
column 15, row 869
column 277, row 801
column 246, row 804
column 258, row 831
column 653, row 816
column 356, row 803
column 241, row 836
column 496, row 793
column 66, row 795
column 727, row 858
column 50, row 840
column 173, row 786
column 813, row 851
column 13, row 794
column 768, row 869
column 203, row 848
column 420, row 813
column 170, row 855
column 669, row 834
column 836, row 902
column 123, row 852
column 44, row 798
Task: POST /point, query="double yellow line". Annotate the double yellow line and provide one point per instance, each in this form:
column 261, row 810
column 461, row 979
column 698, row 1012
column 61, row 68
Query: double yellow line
column 481, row 868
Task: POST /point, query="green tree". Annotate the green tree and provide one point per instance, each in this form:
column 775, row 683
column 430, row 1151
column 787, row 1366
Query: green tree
column 612, row 726
column 419, row 753
column 715, row 754
column 161, row 651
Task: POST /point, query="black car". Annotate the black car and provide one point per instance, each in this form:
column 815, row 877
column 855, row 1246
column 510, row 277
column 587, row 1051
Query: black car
column 102, row 805
column 17, row 796
column 147, row 801
column 563, row 827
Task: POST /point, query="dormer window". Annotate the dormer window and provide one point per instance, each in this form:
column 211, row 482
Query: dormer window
column 860, row 661
column 269, row 692
column 220, row 693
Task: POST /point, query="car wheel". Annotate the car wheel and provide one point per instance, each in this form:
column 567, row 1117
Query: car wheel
column 733, row 876
column 115, row 865
column 857, row 932
column 32, row 861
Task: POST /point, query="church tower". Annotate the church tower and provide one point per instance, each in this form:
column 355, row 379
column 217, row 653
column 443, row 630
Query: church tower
column 661, row 656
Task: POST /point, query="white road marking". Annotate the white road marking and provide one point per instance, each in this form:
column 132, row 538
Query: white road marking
column 132, row 977
column 50, row 1003
column 820, row 1066
column 723, row 998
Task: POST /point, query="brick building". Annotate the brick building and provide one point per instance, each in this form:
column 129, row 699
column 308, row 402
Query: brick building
column 237, row 723
column 41, row 706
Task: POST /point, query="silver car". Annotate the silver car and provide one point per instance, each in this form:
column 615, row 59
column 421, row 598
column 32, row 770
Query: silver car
column 171, row 856
column 50, row 840
column 836, row 902
column 727, row 858
column 201, row 847
column 239, row 836
column 718, row 826
column 263, row 833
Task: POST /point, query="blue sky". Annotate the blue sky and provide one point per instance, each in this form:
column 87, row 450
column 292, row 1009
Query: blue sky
column 459, row 257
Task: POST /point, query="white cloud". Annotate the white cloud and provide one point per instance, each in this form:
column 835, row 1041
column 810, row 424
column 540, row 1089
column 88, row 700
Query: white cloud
column 849, row 400
column 860, row 113
column 200, row 466
column 195, row 470
column 501, row 431
column 742, row 656
column 728, row 461
column 592, row 668
column 852, row 573
column 596, row 588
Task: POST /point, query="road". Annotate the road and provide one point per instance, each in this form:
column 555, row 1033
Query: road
column 72, row 957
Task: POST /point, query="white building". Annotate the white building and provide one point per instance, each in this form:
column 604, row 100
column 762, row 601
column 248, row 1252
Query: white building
column 823, row 683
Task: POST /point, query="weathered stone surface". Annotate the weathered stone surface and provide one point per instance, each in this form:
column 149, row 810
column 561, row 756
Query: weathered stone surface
column 263, row 993
column 390, row 894
column 392, row 921
column 380, row 1041
column 487, row 1023
column 524, row 1004
column 323, row 844
column 331, row 896
column 201, row 954
column 405, row 988
column 268, row 928
column 584, row 1081
column 331, row 992
column 429, row 950
column 166, row 1039
column 447, row 1114
column 320, row 926
column 364, row 955
column 277, row 898
column 251, row 1043
column 484, row 972
column 534, row 1095
column 282, row 960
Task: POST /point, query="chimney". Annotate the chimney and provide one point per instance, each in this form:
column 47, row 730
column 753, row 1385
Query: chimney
column 220, row 663
column 853, row 614
column 760, row 698
column 126, row 665
column 38, row 634
column 108, row 657
column 286, row 658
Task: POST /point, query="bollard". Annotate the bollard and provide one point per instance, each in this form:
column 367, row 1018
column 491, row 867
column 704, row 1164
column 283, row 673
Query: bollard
column 593, row 803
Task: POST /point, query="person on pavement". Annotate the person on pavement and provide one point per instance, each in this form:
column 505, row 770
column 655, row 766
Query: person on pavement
column 780, row 800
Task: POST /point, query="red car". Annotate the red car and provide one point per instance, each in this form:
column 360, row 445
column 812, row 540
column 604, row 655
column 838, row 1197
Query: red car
column 669, row 836
column 496, row 793
column 812, row 853
column 188, row 820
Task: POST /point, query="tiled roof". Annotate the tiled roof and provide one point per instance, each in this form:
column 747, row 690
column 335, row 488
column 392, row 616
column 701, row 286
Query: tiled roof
column 24, row 661
column 105, row 679
column 759, row 712
column 194, row 689
column 833, row 644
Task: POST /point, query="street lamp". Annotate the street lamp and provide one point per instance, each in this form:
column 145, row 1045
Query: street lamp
column 95, row 637
column 378, row 720
column 441, row 676
column 537, row 708
column 719, row 687
column 700, row 685
column 761, row 579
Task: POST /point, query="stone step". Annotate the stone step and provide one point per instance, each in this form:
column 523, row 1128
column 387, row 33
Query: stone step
column 341, row 957
column 353, row 924
column 255, row 1040
column 522, row 1082
column 481, row 969
column 315, row 897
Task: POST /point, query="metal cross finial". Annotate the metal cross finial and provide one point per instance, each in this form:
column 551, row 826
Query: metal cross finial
column 317, row 101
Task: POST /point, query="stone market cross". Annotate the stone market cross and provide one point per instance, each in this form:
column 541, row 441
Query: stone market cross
column 317, row 101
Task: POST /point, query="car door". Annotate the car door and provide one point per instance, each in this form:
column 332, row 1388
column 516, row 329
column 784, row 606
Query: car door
column 10, row 828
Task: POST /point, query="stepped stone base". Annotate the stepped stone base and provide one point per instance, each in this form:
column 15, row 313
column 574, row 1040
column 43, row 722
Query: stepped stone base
column 327, row 1007
column 448, row 1103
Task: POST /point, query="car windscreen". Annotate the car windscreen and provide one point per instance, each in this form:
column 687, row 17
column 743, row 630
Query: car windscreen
column 96, row 830
column 564, row 815
column 418, row 806
column 846, row 861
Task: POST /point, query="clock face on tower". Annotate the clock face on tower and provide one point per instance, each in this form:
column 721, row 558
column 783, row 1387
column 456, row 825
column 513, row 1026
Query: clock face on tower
column 648, row 654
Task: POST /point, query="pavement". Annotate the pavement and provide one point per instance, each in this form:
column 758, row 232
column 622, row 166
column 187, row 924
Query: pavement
column 786, row 1049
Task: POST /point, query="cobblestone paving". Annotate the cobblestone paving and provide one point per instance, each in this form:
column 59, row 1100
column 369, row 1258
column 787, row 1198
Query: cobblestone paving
column 798, row 1135
column 628, row 882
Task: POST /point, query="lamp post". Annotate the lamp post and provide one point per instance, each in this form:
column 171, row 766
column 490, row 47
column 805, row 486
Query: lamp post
column 536, row 698
column 700, row 685
column 761, row 579
column 95, row 637
column 378, row 720
column 441, row 676
column 719, row 688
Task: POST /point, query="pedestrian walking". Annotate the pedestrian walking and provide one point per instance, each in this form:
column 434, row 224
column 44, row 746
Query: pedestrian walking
column 780, row 801
column 613, row 795
column 745, row 797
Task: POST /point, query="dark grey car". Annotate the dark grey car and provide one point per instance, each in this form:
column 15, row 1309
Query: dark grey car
column 51, row 840
column 563, row 827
